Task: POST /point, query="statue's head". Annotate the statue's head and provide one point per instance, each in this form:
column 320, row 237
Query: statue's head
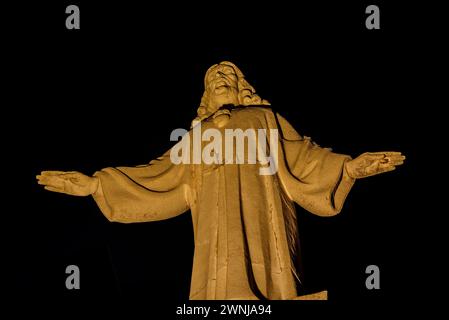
column 225, row 84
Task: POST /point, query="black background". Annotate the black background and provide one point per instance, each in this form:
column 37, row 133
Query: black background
column 110, row 93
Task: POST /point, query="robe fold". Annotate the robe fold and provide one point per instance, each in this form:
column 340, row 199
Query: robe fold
column 245, row 228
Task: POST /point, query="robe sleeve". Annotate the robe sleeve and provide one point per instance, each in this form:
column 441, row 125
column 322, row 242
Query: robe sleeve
column 150, row 192
column 314, row 177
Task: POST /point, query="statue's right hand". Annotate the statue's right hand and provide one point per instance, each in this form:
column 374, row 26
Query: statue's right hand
column 72, row 182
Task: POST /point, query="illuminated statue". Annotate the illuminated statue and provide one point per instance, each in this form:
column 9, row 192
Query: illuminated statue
column 245, row 228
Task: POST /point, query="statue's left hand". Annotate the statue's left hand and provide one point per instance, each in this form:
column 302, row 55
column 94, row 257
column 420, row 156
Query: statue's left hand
column 372, row 163
column 73, row 183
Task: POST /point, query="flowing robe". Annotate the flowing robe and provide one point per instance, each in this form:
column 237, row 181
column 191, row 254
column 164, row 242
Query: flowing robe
column 245, row 228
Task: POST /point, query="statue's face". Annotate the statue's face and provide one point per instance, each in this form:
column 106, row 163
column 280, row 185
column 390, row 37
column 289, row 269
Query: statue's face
column 222, row 88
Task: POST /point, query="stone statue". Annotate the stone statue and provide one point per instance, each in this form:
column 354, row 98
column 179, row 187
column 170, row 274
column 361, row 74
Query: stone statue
column 245, row 230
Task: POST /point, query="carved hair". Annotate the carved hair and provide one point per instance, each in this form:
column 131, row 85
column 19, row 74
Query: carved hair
column 247, row 95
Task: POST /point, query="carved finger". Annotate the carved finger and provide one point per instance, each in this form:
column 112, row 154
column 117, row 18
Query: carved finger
column 396, row 162
column 51, row 181
column 42, row 179
column 387, row 153
column 54, row 189
column 375, row 155
column 393, row 162
column 52, row 173
column 397, row 157
column 392, row 159
column 385, row 165
column 392, row 153
column 70, row 175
